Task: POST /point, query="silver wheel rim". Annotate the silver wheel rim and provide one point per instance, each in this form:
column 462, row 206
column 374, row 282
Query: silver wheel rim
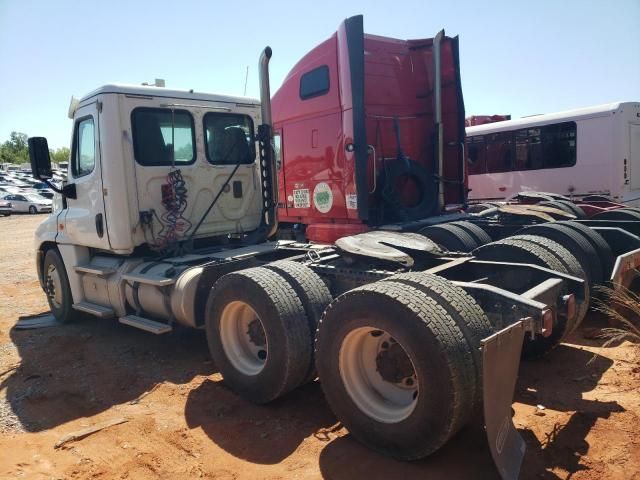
column 243, row 338
column 53, row 286
column 378, row 375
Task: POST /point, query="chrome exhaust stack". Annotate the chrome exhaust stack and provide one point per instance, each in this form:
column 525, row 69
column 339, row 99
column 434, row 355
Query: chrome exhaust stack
column 265, row 90
column 268, row 169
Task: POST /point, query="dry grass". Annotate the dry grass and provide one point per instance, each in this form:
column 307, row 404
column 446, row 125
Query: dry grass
column 622, row 307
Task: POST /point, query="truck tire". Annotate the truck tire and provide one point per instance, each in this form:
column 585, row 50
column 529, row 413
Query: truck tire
column 575, row 209
column 449, row 237
column 558, row 205
column 56, row 286
column 597, row 241
column 460, row 306
column 573, row 267
column 574, row 242
column 617, row 214
column 523, row 252
column 258, row 334
column 481, row 207
column 395, row 369
column 477, row 233
column 313, row 293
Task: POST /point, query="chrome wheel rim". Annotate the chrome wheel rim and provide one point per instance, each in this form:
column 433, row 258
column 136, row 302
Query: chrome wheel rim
column 243, row 338
column 378, row 375
column 53, row 286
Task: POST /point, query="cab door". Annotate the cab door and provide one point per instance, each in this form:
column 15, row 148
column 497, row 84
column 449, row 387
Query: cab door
column 85, row 221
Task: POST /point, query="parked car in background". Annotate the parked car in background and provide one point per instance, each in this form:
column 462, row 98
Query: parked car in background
column 7, row 188
column 45, row 193
column 5, row 208
column 28, row 202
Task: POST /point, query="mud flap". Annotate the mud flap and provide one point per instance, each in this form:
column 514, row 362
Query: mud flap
column 501, row 359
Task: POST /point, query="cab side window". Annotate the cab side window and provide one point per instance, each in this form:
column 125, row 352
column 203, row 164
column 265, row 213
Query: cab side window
column 229, row 139
column 84, row 148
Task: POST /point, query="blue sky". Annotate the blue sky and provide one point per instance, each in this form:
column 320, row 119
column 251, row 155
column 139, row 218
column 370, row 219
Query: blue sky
column 517, row 57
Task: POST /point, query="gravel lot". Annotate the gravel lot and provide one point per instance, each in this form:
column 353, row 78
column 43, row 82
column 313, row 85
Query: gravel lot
column 183, row 423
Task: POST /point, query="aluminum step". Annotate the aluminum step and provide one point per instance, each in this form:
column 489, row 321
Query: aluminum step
column 145, row 324
column 156, row 280
column 94, row 309
column 94, row 270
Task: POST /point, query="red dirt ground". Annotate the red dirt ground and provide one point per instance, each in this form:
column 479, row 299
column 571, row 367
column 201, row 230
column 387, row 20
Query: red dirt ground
column 184, row 423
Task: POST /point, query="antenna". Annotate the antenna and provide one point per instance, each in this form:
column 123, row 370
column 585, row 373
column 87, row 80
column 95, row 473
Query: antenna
column 246, row 76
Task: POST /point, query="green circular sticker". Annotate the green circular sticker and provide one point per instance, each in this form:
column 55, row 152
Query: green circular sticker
column 323, row 197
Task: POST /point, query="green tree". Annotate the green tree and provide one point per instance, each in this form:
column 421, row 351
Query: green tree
column 59, row 155
column 15, row 150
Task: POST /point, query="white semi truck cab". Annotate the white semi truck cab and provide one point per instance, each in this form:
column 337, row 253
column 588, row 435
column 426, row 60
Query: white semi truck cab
column 168, row 219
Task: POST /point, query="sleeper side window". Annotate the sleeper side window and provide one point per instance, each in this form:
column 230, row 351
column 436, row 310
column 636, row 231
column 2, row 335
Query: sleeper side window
column 314, row 83
column 84, row 148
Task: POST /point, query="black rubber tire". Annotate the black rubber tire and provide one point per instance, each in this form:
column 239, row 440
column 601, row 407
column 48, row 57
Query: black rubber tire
column 575, row 209
column 64, row 313
column 632, row 209
column 477, row 233
column 33, row 210
column 617, row 214
column 450, row 237
column 558, row 205
column 460, row 306
column 573, row 267
column 313, row 293
column 392, row 199
column 286, row 329
column 481, row 207
column 574, row 242
column 519, row 251
column 602, row 248
column 439, row 353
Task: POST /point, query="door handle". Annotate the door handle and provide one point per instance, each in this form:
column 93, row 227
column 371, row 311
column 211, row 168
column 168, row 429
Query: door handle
column 99, row 225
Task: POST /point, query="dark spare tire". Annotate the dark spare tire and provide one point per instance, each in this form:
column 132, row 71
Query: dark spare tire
column 395, row 369
column 313, row 293
column 258, row 334
column 56, row 286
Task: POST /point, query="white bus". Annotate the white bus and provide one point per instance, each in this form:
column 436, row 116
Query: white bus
column 589, row 151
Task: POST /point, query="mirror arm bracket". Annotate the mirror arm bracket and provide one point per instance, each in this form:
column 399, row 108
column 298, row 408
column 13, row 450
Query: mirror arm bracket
column 68, row 191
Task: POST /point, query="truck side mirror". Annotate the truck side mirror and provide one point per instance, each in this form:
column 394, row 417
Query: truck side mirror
column 40, row 160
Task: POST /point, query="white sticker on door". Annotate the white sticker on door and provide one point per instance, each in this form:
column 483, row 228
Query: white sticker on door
column 301, row 198
column 352, row 201
column 323, row 197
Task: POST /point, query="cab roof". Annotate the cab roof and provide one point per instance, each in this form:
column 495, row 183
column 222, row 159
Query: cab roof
column 145, row 90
